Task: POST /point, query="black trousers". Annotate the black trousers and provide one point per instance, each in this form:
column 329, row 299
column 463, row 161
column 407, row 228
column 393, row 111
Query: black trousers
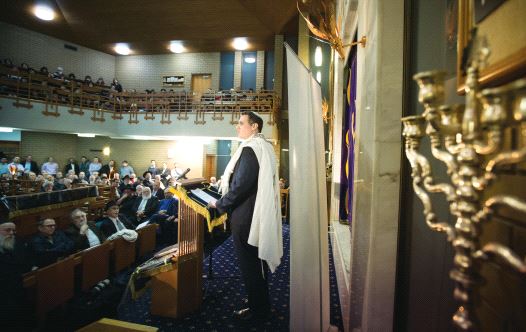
column 253, row 270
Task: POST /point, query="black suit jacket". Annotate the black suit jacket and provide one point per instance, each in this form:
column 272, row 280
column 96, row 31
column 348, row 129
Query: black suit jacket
column 151, row 207
column 81, row 242
column 68, row 167
column 159, row 194
column 33, row 167
column 107, row 226
column 240, row 200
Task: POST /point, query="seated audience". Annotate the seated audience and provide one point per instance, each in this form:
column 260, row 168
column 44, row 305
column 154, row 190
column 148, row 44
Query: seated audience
column 83, row 233
column 115, row 85
column 50, row 244
column 32, row 176
column 145, row 206
column 114, row 221
column 165, row 174
column 58, row 74
column 47, row 186
column 82, row 178
column 14, row 261
column 50, row 167
column 71, row 166
column 127, row 200
column 30, row 165
column 147, row 179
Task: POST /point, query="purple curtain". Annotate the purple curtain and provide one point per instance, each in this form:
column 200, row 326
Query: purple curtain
column 348, row 135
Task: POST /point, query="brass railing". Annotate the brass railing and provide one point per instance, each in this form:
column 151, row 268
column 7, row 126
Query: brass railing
column 27, row 89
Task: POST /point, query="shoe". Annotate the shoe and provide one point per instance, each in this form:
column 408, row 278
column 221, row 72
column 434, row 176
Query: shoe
column 243, row 314
column 246, row 314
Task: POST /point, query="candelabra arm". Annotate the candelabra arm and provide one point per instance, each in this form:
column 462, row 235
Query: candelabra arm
column 420, row 167
column 428, row 181
column 493, row 144
column 496, row 250
column 510, row 201
column 505, row 158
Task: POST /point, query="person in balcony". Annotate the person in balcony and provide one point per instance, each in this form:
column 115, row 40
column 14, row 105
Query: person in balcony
column 100, row 82
column 58, row 74
column 115, row 85
column 15, row 167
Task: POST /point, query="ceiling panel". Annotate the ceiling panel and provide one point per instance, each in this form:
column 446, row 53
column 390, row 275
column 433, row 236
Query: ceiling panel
column 149, row 26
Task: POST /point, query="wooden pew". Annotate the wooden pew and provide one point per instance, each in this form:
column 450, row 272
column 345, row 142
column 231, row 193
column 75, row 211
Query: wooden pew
column 95, row 265
column 54, row 286
column 146, row 240
column 123, row 254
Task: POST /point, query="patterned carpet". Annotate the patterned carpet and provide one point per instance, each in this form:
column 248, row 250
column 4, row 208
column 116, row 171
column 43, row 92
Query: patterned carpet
column 225, row 294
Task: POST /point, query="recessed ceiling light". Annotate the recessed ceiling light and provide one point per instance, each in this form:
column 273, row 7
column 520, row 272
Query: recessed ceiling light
column 122, row 49
column 177, row 47
column 85, row 135
column 6, row 130
column 240, row 44
column 250, row 59
column 44, row 12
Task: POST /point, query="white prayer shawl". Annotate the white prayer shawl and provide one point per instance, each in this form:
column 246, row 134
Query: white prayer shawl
column 265, row 230
column 127, row 234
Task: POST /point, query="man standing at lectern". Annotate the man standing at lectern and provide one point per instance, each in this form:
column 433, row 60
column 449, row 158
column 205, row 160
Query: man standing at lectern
column 251, row 197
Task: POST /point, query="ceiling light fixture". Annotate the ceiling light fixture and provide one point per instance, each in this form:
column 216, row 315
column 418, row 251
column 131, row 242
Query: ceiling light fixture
column 44, row 12
column 6, row 130
column 122, row 49
column 177, row 47
column 250, row 59
column 318, row 58
column 85, row 135
column 240, row 44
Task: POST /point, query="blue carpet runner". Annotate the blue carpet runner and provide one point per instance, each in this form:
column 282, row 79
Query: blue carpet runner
column 225, row 294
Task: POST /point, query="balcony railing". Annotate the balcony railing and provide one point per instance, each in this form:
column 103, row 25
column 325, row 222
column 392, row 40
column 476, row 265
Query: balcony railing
column 26, row 88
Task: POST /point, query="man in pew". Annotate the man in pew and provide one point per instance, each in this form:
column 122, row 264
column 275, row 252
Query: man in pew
column 50, row 244
column 83, row 233
column 166, row 218
column 114, row 221
column 14, row 261
column 30, row 165
column 145, row 206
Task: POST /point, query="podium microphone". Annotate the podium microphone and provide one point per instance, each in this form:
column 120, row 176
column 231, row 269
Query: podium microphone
column 182, row 176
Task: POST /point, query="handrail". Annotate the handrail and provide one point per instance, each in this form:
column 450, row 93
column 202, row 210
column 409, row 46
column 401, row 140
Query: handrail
column 27, row 88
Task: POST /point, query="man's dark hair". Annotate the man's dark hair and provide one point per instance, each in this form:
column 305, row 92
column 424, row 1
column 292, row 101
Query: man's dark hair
column 254, row 118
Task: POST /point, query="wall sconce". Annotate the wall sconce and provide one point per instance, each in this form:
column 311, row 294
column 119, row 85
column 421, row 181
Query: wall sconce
column 318, row 56
column 106, row 151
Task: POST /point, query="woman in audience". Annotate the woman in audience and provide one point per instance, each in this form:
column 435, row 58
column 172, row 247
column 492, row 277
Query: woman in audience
column 83, row 233
column 95, row 166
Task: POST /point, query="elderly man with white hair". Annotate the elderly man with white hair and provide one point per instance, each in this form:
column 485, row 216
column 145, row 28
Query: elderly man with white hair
column 145, row 205
column 83, row 233
column 14, row 261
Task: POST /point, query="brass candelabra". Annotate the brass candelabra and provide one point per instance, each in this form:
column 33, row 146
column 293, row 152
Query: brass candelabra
column 468, row 139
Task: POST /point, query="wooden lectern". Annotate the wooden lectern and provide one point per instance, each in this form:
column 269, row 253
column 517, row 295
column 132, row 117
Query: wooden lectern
column 178, row 292
column 176, row 272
